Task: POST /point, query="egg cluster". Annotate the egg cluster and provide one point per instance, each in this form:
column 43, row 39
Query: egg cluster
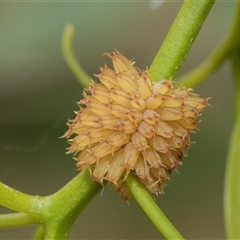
column 130, row 123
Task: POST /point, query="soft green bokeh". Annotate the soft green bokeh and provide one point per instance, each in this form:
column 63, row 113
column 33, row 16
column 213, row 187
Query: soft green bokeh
column 38, row 93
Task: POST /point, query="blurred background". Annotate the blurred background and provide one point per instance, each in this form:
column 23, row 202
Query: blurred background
column 38, row 93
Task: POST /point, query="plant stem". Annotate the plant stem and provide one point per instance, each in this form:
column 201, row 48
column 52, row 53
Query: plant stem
column 57, row 212
column 179, row 40
column 232, row 191
column 70, row 58
column 67, row 203
column 232, row 176
column 150, row 207
column 216, row 58
column 21, row 202
column 209, row 65
column 166, row 65
column 17, row 220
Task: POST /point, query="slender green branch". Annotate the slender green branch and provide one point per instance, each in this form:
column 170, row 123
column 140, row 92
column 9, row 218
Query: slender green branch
column 166, row 64
column 57, row 212
column 232, row 177
column 67, row 203
column 150, row 207
column 71, row 60
column 17, row 220
column 180, row 38
column 21, row 202
column 209, row 65
column 216, row 58
column 232, row 191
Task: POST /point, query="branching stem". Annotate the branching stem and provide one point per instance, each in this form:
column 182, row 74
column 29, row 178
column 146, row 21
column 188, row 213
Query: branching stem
column 150, row 207
column 21, row 202
column 179, row 40
column 67, row 48
column 216, row 58
column 17, row 220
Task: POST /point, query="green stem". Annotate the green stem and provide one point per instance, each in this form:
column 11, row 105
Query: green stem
column 209, row 65
column 150, row 207
column 57, row 212
column 17, row 220
column 232, row 191
column 21, row 202
column 166, row 65
column 71, row 60
column 179, row 40
column 216, row 58
column 67, row 203
column 232, row 177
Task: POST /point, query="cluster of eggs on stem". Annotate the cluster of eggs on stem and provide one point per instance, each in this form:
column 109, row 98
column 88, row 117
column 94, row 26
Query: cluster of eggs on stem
column 130, row 123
